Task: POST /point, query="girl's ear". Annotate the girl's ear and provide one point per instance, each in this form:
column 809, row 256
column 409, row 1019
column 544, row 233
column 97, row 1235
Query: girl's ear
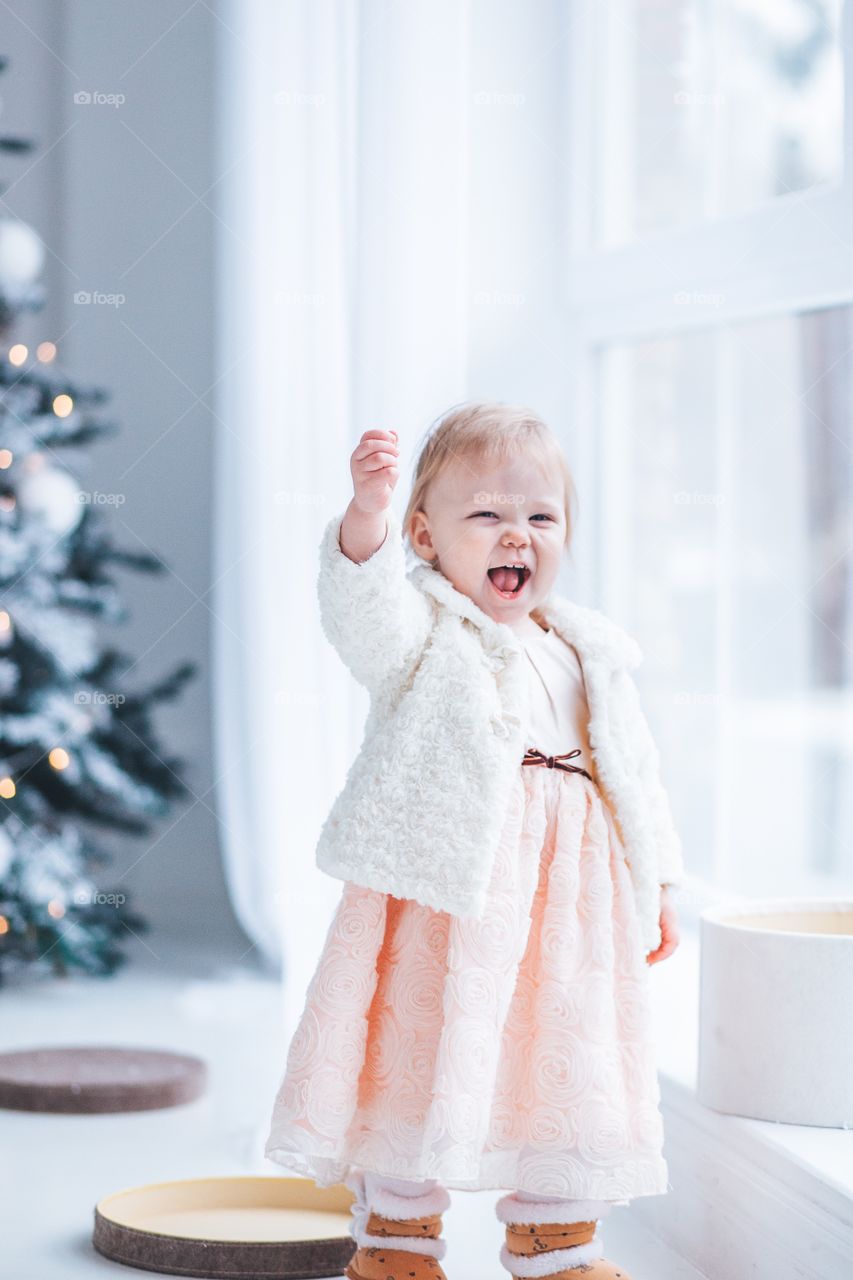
column 419, row 536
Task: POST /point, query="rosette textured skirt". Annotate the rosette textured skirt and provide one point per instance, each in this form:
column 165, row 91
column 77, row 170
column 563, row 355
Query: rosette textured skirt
column 510, row 1052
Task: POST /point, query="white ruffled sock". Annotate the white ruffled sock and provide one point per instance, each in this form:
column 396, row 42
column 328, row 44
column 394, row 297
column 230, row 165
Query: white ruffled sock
column 399, row 1186
column 395, row 1198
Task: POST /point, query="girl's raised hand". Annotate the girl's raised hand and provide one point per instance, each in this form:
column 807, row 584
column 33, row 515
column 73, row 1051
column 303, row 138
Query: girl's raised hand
column 374, row 470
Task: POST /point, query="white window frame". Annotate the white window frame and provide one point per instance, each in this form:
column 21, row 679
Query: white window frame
column 790, row 254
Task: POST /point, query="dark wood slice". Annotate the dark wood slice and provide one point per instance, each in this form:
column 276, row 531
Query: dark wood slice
column 95, row 1078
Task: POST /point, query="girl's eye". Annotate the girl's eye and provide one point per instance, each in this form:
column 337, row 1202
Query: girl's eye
column 540, row 515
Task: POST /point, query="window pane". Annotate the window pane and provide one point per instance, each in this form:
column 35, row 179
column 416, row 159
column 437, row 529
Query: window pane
column 710, row 107
column 736, row 544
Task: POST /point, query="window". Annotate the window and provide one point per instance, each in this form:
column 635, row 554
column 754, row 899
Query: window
column 737, row 454
column 709, row 294
column 710, row 107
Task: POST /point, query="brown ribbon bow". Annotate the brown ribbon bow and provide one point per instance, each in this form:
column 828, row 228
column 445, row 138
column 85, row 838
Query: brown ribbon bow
column 534, row 756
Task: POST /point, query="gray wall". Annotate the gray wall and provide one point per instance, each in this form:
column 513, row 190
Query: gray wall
column 122, row 197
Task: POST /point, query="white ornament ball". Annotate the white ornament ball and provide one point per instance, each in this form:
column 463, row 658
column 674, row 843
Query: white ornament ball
column 53, row 496
column 21, row 254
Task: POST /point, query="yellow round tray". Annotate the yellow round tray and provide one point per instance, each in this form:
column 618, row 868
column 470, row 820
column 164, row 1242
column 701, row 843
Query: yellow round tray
column 229, row 1227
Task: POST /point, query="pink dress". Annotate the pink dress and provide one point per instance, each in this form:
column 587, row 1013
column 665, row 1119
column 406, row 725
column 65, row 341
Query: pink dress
column 511, row 1052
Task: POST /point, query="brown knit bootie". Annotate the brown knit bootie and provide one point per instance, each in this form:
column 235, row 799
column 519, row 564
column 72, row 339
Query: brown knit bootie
column 381, row 1263
column 414, row 1245
column 556, row 1250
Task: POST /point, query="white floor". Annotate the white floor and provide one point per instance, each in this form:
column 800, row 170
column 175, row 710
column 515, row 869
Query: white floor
column 54, row 1168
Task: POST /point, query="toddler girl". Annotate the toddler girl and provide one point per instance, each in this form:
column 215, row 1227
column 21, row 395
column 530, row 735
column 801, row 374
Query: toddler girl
column 479, row 1016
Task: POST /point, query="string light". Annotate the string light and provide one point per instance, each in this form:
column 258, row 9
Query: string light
column 7, row 789
column 46, row 351
column 59, row 758
column 5, row 621
column 18, row 353
column 4, row 925
column 6, row 459
column 62, row 405
column 55, row 909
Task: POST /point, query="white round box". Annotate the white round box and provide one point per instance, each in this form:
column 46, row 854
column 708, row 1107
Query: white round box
column 776, row 1010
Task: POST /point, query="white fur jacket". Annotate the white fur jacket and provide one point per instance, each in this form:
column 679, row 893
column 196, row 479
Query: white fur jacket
column 422, row 808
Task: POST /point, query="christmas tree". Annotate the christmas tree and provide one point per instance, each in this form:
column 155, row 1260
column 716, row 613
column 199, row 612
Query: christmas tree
column 77, row 748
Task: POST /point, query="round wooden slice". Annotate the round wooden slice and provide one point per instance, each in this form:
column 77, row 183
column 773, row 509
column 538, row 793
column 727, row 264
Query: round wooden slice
column 93, row 1078
column 280, row 1228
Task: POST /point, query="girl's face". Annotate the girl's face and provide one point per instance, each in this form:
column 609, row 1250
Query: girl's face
column 475, row 520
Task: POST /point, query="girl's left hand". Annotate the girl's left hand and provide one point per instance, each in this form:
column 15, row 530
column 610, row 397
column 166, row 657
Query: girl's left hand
column 668, row 929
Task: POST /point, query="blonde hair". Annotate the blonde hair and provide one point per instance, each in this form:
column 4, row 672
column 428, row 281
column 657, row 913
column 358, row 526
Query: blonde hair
column 488, row 431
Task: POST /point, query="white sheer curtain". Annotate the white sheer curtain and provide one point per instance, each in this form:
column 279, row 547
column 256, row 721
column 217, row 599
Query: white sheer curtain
column 390, row 242
column 343, row 260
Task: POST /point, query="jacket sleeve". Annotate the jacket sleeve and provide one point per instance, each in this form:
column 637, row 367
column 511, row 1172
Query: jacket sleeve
column 378, row 621
column 670, row 862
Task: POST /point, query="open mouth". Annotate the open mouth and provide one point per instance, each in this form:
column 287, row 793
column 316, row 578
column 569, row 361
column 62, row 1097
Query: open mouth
column 508, row 583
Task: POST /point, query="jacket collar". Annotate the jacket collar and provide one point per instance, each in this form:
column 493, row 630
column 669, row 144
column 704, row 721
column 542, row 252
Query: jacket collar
column 593, row 634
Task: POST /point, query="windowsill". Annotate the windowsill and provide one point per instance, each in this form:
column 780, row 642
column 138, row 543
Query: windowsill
column 819, row 1160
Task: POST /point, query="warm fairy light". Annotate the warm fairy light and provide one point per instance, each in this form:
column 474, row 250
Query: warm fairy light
column 59, row 758
column 18, row 353
column 5, row 459
column 62, row 405
column 5, row 622
column 4, row 925
column 55, row 909
column 46, row 351
column 7, row 789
